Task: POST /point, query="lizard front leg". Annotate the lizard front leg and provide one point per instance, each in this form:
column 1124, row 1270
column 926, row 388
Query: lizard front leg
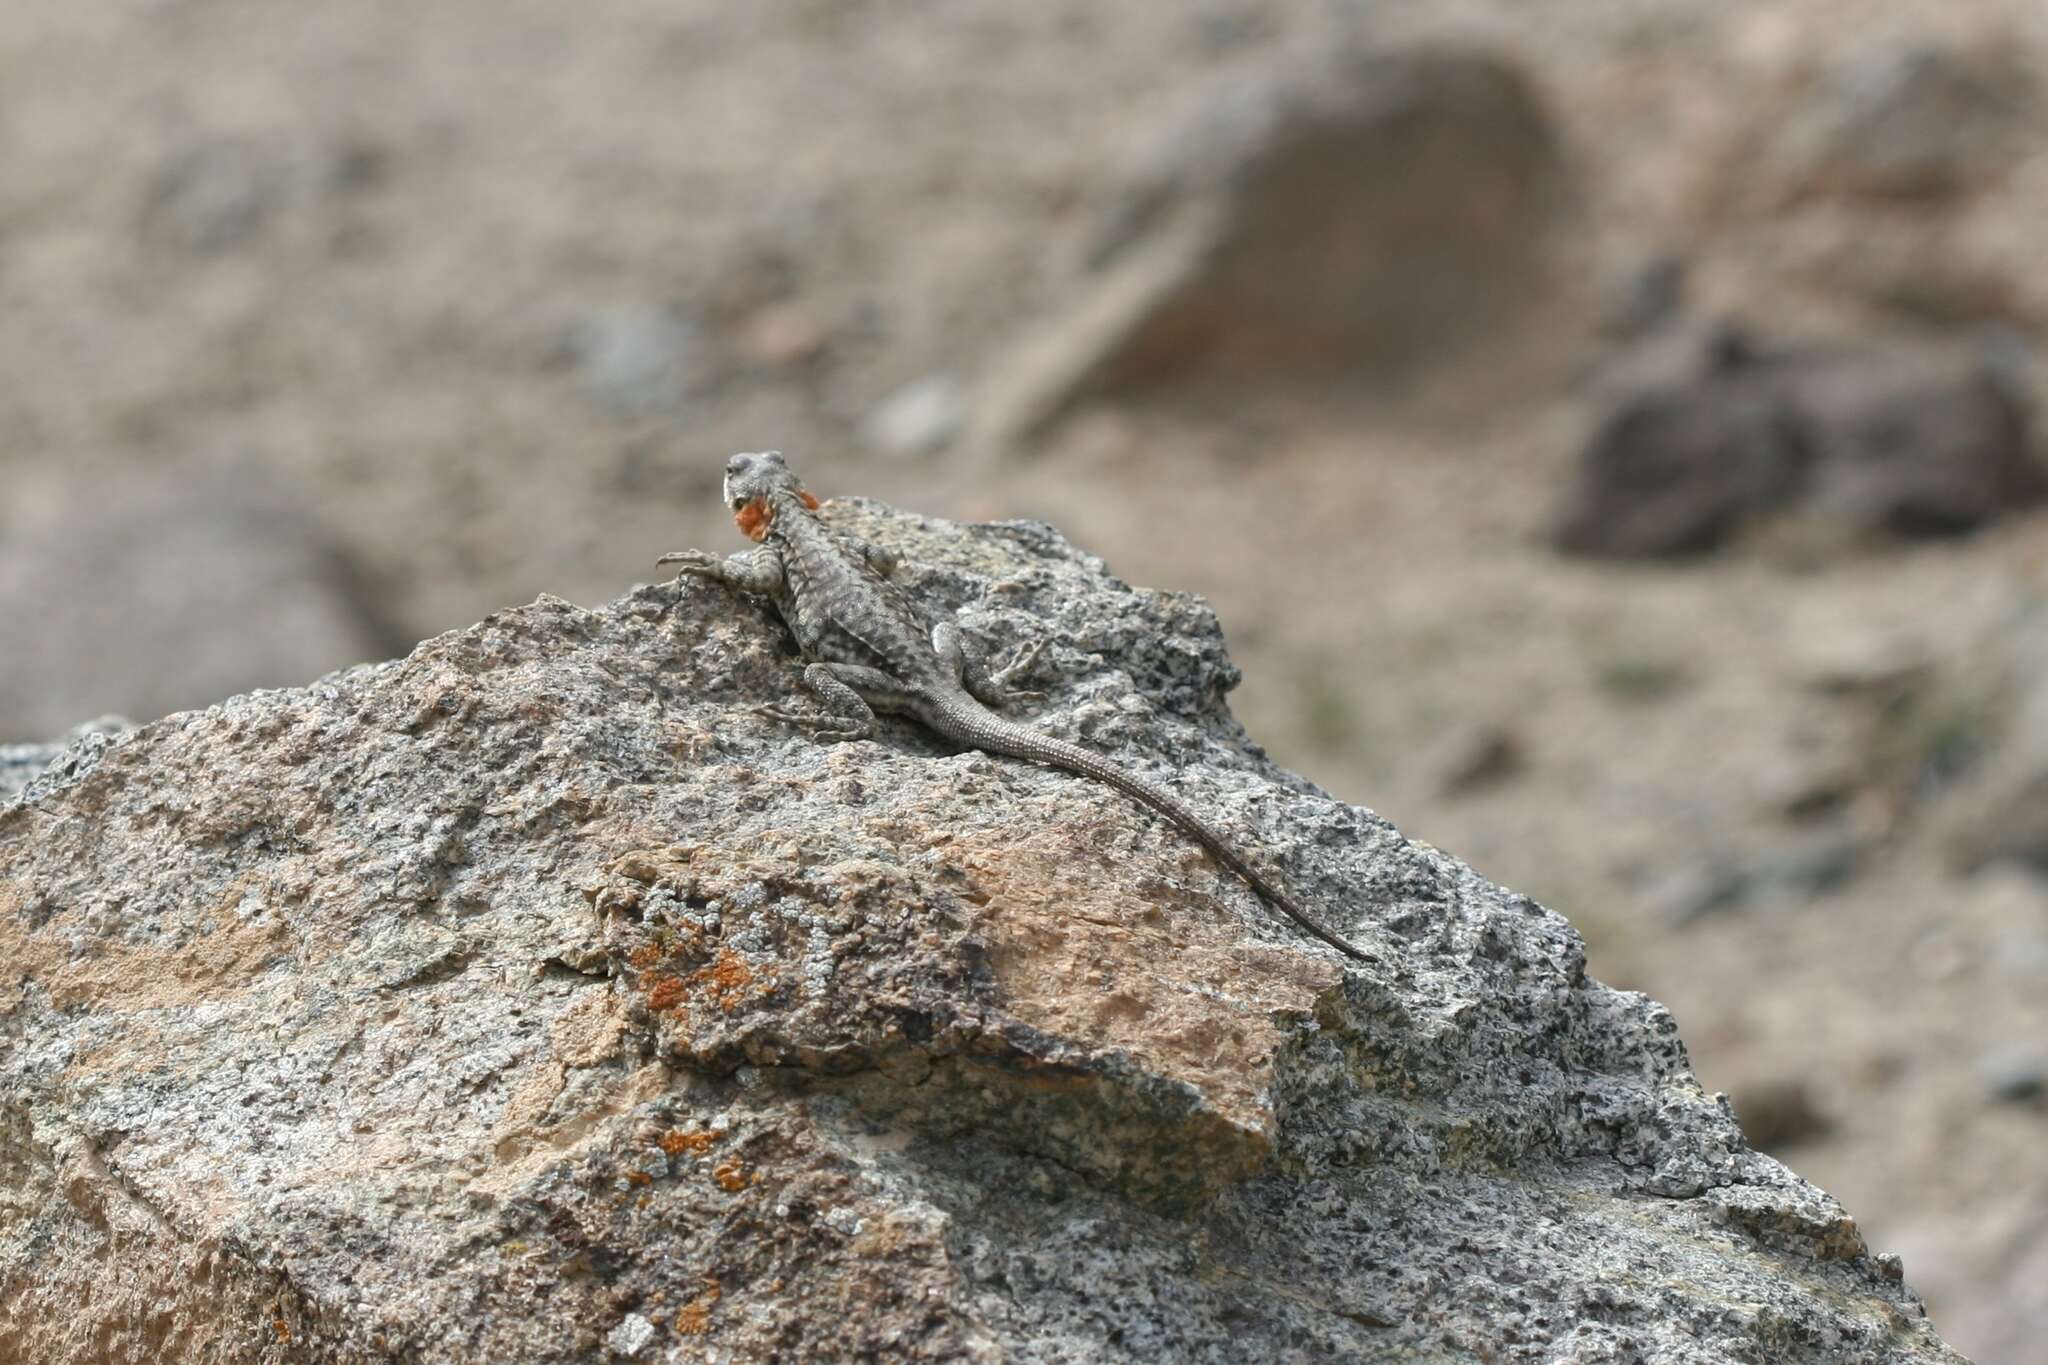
column 756, row 570
column 847, row 691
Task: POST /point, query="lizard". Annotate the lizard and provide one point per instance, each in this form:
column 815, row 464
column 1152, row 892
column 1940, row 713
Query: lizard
column 870, row 647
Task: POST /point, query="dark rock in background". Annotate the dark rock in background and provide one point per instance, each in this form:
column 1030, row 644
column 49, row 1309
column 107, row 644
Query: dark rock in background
column 1781, row 1113
column 1474, row 756
column 1794, row 871
column 148, row 597
column 2014, row 1075
column 1351, row 220
column 1864, row 440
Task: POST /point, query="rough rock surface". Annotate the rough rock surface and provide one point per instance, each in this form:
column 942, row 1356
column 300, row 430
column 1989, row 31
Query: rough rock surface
column 528, row 998
column 23, row 766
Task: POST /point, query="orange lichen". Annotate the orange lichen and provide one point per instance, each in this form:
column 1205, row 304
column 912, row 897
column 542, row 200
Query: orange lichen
column 277, row 1325
column 676, row 1142
column 727, row 979
column 667, row 992
column 695, row 1318
column 645, row 956
column 639, row 1178
column 731, row 1175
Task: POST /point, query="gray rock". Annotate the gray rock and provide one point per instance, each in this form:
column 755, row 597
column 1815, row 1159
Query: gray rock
column 213, row 195
column 1472, row 757
column 919, row 419
column 347, row 1023
column 1796, row 871
column 2014, row 1075
column 21, row 765
column 1708, row 886
column 1986, row 731
column 1643, row 296
column 1915, row 444
column 1903, row 119
column 632, row 1335
column 1864, row 441
column 217, row 194
column 146, row 596
column 1356, row 218
column 634, row 360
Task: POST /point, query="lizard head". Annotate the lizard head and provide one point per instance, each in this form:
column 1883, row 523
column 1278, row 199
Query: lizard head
column 752, row 481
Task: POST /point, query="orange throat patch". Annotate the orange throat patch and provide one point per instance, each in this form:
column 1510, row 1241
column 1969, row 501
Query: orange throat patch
column 756, row 515
column 752, row 518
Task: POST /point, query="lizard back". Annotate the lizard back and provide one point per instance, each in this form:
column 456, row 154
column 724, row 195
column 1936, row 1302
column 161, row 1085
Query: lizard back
column 842, row 611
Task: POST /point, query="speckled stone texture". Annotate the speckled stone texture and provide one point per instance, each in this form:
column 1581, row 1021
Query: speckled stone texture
column 531, row 999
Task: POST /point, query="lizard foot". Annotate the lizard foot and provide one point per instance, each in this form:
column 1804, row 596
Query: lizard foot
column 1025, row 659
column 701, row 563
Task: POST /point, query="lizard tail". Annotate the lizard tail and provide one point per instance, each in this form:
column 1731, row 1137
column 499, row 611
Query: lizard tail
column 996, row 735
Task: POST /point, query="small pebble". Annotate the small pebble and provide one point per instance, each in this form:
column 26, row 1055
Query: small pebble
column 2014, row 1075
column 631, row 1336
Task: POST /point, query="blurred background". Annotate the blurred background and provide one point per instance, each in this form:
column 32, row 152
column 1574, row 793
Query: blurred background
column 1609, row 432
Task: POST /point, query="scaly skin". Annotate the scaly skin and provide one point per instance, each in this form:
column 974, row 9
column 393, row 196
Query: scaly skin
column 871, row 648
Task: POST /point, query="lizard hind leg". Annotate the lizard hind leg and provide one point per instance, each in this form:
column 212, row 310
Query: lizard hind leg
column 963, row 654
column 846, row 690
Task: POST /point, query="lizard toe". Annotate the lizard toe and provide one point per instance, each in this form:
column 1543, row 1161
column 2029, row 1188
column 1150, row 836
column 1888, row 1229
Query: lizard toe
column 817, row 728
column 689, row 562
